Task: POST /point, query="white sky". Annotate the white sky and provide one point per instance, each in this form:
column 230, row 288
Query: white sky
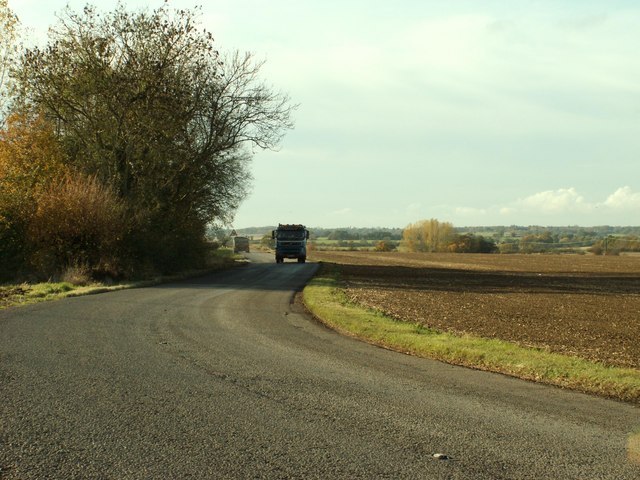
column 473, row 112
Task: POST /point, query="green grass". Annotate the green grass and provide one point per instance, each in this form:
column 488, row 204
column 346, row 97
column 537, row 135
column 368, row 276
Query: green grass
column 324, row 297
column 48, row 290
column 26, row 294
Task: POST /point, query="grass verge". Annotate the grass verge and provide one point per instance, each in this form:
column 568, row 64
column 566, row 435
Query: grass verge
column 27, row 294
column 325, row 299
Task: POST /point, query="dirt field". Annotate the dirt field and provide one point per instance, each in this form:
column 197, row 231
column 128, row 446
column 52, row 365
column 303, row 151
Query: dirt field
column 587, row 306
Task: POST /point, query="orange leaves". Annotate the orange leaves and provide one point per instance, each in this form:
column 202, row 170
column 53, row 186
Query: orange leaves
column 30, row 159
column 30, row 155
column 50, row 216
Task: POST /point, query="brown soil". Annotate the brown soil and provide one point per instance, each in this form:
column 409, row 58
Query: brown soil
column 582, row 305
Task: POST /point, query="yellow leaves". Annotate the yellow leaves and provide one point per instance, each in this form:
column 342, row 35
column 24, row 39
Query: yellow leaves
column 30, row 159
column 8, row 20
column 428, row 236
column 30, row 155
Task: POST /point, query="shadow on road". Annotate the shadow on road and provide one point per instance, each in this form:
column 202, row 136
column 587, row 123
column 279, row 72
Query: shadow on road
column 288, row 276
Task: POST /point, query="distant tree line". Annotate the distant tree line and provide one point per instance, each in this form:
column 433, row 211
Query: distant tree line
column 615, row 245
column 124, row 138
column 344, row 234
column 359, row 234
column 436, row 236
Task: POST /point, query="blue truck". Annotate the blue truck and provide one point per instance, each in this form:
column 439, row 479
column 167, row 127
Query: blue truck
column 290, row 242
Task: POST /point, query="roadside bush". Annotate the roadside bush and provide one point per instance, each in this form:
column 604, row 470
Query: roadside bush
column 160, row 243
column 77, row 275
column 79, row 223
column 12, row 250
column 30, row 160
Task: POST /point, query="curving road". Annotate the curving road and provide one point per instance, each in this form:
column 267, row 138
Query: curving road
column 226, row 377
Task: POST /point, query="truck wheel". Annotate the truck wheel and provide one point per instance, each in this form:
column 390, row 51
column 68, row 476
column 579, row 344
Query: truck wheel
column 279, row 259
column 302, row 259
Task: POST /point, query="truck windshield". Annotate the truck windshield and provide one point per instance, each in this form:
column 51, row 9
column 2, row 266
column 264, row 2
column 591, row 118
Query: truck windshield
column 290, row 235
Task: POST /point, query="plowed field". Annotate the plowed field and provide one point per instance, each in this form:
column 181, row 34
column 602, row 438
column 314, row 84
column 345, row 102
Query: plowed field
column 582, row 305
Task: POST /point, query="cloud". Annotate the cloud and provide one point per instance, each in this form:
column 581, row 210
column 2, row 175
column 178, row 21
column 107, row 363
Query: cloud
column 623, row 198
column 561, row 206
column 555, row 201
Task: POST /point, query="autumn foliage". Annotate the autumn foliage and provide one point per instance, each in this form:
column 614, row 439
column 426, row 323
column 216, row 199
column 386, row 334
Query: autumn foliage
column 78, row 222
column 30, row 160
column 134, row 134
column 428, row 236
column 52, row 217
column 435, row 236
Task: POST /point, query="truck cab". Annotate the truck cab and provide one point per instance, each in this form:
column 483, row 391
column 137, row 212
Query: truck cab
column 291, row 242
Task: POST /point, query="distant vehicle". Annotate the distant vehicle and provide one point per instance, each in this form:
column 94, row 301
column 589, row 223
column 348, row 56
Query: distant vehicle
column 291, row 242
column 240, row 244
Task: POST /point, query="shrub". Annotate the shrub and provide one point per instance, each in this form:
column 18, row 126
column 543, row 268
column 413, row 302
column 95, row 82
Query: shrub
column 77, row 275
column 383, row 246
column 597, row 248
column 12, row 251
column 30, row 160
column 508, row 247
column 78, row 223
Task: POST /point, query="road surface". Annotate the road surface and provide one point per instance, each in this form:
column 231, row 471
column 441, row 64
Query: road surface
column 225, row 377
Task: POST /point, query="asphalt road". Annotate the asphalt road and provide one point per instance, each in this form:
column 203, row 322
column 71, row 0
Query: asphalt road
column 224, row 377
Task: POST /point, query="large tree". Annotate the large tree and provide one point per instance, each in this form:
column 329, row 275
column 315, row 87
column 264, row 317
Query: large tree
column 144, row 101
column 428, row 236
